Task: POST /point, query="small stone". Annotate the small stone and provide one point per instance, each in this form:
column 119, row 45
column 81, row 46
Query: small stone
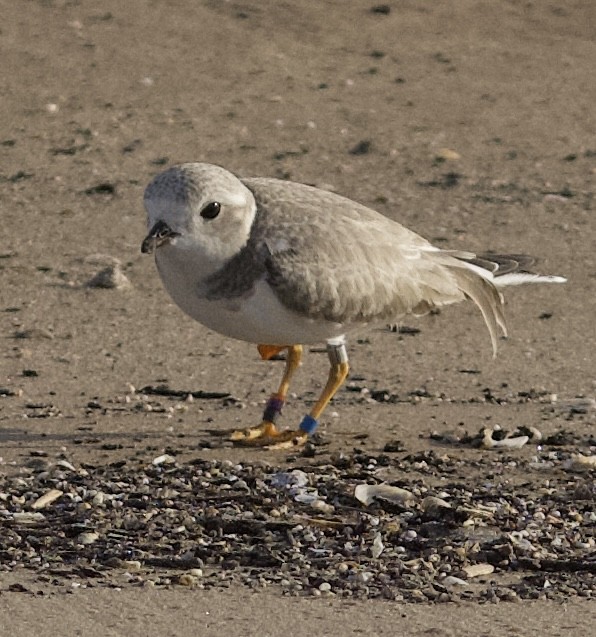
column 578, row 462
column 131, row 565
column 446, row 154
column 435, row 508
column 478, row 570
column 186, row 579
column 88, row 537
column 110, row 278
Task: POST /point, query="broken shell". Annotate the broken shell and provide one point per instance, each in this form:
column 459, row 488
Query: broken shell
column 488, row 442
column 163, row 459
column 196, row 572
column 378, row 546
column 24, row 517
column 47, row 498
column 64, row 464
column 451, row 580
column 536, row 434
column 368, row 493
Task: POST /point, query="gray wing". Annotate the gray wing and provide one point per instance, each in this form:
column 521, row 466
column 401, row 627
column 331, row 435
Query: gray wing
column 328, row 257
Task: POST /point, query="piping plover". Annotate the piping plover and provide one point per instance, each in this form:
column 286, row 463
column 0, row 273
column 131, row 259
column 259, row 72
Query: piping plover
column 282, row 264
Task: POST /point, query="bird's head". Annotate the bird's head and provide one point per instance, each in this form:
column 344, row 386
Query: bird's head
column 199, row 209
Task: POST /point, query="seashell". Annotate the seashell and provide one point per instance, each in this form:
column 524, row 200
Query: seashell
column 47, row 498
column 368, row 493
column 163, row 459
column 488, row 442
column 24, row 517
column 378, row 547
column 64, row 464
column 451, row 580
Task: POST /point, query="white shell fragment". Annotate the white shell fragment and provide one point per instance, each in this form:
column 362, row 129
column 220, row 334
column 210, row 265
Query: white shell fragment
column 368, row 493
column 64, row 464
column 478, row 570
column 451, row 580
column 536, row 434
column 579, row 462
column 488, row 442
column 163, row 459
column 24, row 517
column 47, row 498
column 378, row 547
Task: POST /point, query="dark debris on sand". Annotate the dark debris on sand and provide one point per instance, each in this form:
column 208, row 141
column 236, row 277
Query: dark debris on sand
column 210, row 523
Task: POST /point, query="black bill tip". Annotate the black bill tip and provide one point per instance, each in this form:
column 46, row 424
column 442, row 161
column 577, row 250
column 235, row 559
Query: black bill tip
column 159, row 235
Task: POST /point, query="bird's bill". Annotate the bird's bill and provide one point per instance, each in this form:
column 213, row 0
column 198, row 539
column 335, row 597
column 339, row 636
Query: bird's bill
column 159, row 235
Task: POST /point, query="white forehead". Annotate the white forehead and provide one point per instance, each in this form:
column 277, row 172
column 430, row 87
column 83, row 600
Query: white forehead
column 191, row 185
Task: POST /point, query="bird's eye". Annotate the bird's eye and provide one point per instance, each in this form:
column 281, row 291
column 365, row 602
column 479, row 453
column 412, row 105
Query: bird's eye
column 211, row 210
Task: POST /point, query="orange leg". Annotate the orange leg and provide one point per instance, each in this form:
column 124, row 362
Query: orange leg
column 267, row 430
column 266, row 434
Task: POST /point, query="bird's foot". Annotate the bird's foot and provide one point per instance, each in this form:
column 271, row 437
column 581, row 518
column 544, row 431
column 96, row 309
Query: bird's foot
column 267, row 435
column 265, row 430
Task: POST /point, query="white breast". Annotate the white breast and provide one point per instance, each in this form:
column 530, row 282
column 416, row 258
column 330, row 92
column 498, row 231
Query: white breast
column 257, row 318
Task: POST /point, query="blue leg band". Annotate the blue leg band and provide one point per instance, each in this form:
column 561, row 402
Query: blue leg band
column 308, row 425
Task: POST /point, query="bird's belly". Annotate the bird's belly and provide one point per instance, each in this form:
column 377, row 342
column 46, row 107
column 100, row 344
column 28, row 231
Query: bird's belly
column 256, row 318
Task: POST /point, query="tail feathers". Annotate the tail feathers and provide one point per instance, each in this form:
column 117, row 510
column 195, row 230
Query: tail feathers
column 488, row 299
